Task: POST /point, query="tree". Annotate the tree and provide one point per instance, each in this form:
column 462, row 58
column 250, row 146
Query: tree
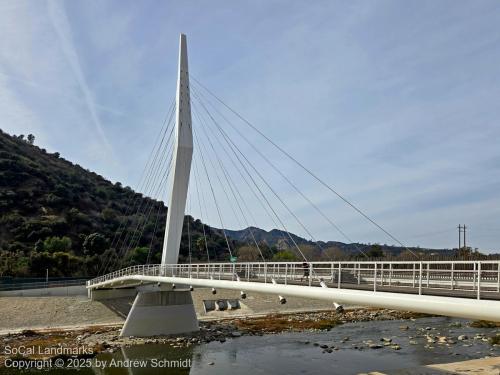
column 248, row 254
column 95, row 243
column 57, row 244
column 40, row 262
column 139, row 255
column 39, row 246
column 284, row 255
column 375, row 251
column 31, row 139
column 333, row 253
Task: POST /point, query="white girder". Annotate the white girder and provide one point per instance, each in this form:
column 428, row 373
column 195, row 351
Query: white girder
column 448, row 306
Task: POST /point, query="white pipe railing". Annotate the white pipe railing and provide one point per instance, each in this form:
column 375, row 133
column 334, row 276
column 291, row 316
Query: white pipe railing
column 473, row 276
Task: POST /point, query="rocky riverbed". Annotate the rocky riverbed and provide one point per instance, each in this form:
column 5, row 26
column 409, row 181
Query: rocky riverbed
column 106, row 339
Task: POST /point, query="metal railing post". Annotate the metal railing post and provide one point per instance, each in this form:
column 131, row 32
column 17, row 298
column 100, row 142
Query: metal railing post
column 478, row 280
column 413, row 276
column 498, row 277
column 474, row 278
column 428, row 266
column 340, row 275
column 382, row 266
column 452, row 275
column 390, row 274
column 310, row 273
column 374, row 277
column 420, row 280
column 286, row 272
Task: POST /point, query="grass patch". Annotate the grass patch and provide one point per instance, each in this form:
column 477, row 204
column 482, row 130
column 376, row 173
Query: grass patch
column 277, row 323
column 484, row 324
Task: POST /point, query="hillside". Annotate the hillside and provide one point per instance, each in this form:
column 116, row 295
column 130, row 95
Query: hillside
column 57, row 215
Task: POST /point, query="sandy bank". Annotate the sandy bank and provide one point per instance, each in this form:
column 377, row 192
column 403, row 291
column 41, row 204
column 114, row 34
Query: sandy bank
column 20, row 313
column 483, row 366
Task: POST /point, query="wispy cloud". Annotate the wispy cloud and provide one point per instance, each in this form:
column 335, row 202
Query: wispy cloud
column 395, row 104
column 63, row 30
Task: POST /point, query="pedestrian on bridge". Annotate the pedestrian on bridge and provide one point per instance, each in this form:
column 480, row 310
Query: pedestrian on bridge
column 305, row 266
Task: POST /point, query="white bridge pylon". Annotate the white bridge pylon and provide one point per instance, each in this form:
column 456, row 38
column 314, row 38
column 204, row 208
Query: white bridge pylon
column 161, row 310
column 183, row 153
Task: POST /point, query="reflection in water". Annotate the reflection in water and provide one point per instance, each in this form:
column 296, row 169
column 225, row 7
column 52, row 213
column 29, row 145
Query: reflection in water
column 145, row 359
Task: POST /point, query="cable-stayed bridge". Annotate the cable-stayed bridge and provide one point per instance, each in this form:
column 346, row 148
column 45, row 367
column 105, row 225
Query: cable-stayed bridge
column 207, row 183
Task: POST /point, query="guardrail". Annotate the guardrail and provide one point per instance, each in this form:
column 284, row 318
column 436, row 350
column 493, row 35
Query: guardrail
column 41, row 285
column 470, row 276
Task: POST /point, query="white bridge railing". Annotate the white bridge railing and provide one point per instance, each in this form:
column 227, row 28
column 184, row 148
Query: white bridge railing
column 479, row 278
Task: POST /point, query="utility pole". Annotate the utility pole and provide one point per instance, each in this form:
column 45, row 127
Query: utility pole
column 459, row 236
column 462, row 229
column 465, row 245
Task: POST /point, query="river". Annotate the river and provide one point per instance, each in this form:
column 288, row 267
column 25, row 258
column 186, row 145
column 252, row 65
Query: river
column 302, row 353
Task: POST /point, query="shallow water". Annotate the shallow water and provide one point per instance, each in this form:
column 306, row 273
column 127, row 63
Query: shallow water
column 289, row 353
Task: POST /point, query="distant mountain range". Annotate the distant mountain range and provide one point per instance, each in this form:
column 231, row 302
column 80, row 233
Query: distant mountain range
column 281, row 240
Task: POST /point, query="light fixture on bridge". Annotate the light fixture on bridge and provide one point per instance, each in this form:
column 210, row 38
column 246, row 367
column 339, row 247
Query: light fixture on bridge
column 191, row 288
column 173, row 286
column 338, row 308
column 243, row 295
column 282, row 300
column 214, row 291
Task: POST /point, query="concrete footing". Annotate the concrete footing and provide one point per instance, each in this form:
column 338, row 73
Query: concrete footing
column 161, row 313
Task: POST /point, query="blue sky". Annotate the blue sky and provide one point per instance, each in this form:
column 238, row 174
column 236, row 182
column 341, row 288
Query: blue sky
column 396, row 104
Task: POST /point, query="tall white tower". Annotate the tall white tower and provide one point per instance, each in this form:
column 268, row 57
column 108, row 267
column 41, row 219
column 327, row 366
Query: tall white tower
column 159, row 309
column 181, row 163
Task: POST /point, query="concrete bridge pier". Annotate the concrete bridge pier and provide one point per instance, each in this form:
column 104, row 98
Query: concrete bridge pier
column 161, row 312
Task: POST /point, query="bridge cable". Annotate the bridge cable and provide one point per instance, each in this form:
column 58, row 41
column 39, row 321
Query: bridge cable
column 213, row 193
column 266, row 183
column 221, row 165
column 188, row 229
column 201, row 211
column 273, row 166
column 149, row 190
column 141, row 224
column 138, row 197
column 312, row 174
column 250, row 187
column 130, row 238
column 264, row 197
